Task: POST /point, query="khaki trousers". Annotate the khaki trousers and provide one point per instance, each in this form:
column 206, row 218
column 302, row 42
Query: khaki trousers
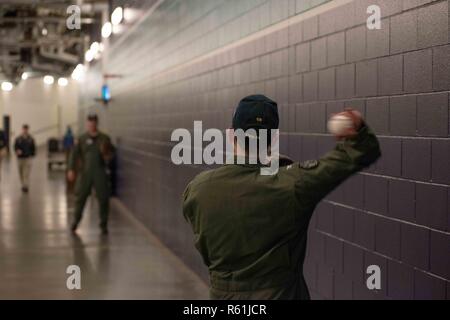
column 24, row 170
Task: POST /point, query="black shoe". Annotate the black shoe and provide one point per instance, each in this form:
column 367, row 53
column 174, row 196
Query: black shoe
column 74, row 227
column 25, row 189
column 104, row 231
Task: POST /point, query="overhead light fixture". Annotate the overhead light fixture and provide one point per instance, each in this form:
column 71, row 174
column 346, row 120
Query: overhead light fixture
column 117, row 16
column 95, row 47
column 24, row 76
column 129, row 14
column 44, row 32
column 62, row 82
column 107, row 30
column 7, row 86
column 78, row 73
column 89, row 55
column 49, row 80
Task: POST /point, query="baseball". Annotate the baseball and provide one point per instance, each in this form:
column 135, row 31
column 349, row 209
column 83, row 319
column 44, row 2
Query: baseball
column 339, row 124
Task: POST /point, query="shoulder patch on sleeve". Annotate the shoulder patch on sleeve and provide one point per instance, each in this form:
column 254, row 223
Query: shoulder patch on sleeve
column 309, row 164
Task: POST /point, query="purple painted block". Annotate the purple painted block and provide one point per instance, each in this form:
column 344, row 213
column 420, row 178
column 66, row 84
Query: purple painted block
column 356, row 44
column 390, row 162
column 310, row 28
column 403, row 115
column 310, row 86
column 295, row 89
column 302, row 118
column 433, row 115
column 416, row 159
column 336, row 49
column 365, row 230
column 376, row 194
column 353, row 191
column 327, row 84
column 334, row 249
column 325, row 282
column 387, row 237
column 431, row 206
column 344, row 223
column 390, row 75
column 418, row 71
column 324, row 215
column 433, row 25
column 295, row 33
column 303, row 57
column 440, row 257
column 291, row 117
column 343, row 289
column 441, row 68
column 319, row 54
column 402, row 196
column 400, row 281
column 415, row 246
column 295, row 143
column 404, row 32
column 377, row 115
column 354, row 262
column 345, row 81
column 428, row 287
column 317, row 117
column 440, row 160
column 309, row 148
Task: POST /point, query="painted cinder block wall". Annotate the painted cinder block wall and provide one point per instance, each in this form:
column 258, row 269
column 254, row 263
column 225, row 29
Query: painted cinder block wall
column 194, row 60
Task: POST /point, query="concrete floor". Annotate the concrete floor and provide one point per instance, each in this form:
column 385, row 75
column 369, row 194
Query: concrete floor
column 36, row 248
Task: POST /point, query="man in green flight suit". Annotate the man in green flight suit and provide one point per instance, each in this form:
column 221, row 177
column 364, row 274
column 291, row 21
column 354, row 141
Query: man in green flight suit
column 251, row 229
column 88, row 164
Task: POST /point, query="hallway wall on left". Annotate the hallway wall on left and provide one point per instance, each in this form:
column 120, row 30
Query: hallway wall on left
column 44, row 107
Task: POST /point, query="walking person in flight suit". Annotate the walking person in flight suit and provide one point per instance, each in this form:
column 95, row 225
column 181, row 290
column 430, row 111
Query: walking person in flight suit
column 25, row 149
column 88, row 164
column 251, row 229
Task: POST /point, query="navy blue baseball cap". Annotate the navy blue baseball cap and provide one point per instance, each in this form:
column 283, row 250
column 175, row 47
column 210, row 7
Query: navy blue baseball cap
column 256, row 112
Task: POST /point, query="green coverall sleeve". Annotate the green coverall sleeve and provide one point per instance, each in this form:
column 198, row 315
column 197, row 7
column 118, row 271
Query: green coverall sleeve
column 73, row 157
column 348, row 157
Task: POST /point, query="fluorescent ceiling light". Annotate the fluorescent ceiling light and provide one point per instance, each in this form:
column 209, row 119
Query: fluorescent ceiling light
column 117, row 16
column 78, row 73
column 106, row 30
column 49, row 80
column 62, row 82
column 7, row 86
column 89, row 55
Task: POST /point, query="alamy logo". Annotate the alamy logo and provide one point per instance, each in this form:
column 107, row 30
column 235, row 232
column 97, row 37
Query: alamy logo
column 73, row 22
column 374, row 280
column 74, row 280
column 241, row 147
column 374, row 21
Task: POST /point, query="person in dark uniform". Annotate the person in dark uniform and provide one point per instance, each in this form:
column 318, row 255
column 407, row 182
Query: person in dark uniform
column 88, row 164
column 3, row 146
column 25, row 149
column 251, row 229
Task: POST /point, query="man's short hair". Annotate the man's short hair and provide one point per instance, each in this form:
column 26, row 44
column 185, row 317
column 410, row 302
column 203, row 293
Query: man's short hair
column 92, row 117
column 26, row 127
